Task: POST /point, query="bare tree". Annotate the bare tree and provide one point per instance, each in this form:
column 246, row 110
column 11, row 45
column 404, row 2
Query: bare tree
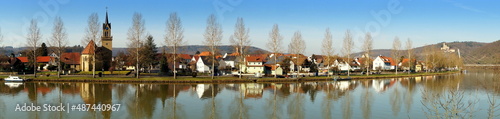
column 240, row 40
column 327, row 49
column 174, row 37
column 135, row 37
column 92, row 34
column 92, row 30
column 347, row 49
column 409, row 49
column 274, row 44
column 395, row 52
column 367, row 48
column 33, row 39
column 297, row 47
column 213, row 37
column 59, row 40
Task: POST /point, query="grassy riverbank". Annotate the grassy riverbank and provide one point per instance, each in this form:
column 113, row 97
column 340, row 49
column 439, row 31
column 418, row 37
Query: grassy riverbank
column 220, row 79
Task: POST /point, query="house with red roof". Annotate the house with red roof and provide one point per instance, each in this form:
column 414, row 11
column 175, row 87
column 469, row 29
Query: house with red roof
column 405, row 62
column 46, row 61
column 71, row 59
column 384, row 63
column 253, row 64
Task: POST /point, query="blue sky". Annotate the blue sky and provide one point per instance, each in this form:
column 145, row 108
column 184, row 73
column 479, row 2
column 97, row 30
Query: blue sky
column 422, row 21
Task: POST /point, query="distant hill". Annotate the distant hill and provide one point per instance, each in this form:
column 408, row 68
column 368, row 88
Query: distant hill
column 486, row 54
column 471, row 52
column 191, row 49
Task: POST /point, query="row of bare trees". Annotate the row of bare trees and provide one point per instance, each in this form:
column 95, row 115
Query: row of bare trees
column 58, row 40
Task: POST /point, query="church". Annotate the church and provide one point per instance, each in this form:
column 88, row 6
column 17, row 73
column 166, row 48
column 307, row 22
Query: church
column 102, row 54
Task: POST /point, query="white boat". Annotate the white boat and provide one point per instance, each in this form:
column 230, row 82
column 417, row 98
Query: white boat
column 14, row 79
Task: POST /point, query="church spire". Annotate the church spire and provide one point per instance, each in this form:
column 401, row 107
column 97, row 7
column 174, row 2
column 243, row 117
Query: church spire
column 107, row 15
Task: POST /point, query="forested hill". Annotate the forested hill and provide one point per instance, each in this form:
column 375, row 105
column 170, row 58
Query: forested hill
column 471, row 52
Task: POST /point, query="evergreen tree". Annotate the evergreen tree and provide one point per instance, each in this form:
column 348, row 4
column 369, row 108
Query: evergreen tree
column 163, row 65
column 43, row 51
column 148, row 52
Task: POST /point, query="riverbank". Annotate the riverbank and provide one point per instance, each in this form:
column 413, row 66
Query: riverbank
column 223, row 79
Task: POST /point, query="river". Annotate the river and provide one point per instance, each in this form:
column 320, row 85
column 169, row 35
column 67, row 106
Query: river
column 474, row 94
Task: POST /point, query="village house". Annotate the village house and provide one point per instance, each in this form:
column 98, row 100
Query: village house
column 383, row 63
column 405, row 62
column 341, row 65
column 203, row 64
column 253, row 64
column 72, row 60
column 45, row 61
column 271, row 67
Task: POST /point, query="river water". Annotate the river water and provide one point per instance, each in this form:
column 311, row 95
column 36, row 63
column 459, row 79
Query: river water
column 474, row 94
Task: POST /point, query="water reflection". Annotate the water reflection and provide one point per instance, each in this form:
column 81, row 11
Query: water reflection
column 398, row 98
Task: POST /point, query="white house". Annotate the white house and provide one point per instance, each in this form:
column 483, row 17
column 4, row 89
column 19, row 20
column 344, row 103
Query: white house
column 201, row 64
column 341, row 65
column 383, row 63
column 254, row 64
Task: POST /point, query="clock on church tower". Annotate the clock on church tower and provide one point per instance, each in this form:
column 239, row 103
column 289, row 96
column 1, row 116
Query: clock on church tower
column 107, row 39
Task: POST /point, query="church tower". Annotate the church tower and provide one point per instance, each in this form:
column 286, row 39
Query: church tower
column 106, row 38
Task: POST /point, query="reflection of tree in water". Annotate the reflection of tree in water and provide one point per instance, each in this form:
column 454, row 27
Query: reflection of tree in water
column 310, row 88
column 211, row 107
column 366, row 99
column 395, row 100
column 274, row 103
column 169, row 94
column 327, row 101
column 121, row 91
column 238, row 108
column 410, row 85
column 346, row 106
column 142, row 103
column 442, row 98
column 296, row 104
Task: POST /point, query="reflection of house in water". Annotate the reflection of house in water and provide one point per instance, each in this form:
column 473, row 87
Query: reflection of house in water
column 204, row 91
column 95, row 93
column 382, row 85
column 252, row 90
column 41, row 88
column 72, row 89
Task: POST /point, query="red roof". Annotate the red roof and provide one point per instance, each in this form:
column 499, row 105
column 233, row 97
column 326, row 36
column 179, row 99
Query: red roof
column 272, row 66
column 388, row 60
column 43, row 59
column 254, row 59
column 23, row 59
column 205, row 53
column 71, row 58
column 89, row 49
column 185, row 56
column 40, row 59
column 405, row 60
